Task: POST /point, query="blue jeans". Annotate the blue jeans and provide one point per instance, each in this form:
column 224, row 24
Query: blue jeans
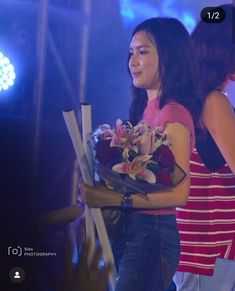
column 146, row 252
column 222, row 280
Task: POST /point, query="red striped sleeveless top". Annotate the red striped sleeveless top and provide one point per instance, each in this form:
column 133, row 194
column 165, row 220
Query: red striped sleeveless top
column 207, row 222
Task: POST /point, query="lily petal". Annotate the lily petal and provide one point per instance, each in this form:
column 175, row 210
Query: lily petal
column 147, row 175
column 122, row 168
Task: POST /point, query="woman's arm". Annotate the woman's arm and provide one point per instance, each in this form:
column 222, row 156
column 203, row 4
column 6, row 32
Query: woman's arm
column 179, row 136
column 219, row 119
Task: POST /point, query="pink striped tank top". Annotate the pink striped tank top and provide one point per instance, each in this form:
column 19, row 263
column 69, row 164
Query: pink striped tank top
column 207, row 222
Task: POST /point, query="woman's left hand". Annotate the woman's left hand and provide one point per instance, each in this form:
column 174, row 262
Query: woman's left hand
column 99, row 196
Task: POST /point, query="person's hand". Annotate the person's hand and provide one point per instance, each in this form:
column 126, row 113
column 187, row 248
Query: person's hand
column 99, row 195
column 89, row 275
column 84, row 276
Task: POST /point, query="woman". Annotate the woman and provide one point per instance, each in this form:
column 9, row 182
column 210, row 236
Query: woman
column 147, row 247
column 207, row 222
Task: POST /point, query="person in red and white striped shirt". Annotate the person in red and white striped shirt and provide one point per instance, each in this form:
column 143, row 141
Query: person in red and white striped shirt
column 207, row 222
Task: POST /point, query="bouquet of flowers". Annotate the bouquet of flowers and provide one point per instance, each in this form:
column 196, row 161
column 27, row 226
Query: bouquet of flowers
column 135, row 159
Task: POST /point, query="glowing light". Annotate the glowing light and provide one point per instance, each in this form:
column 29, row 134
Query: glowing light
column 7, row 73
column 131, row 10
column 126, row 11
column 75, row 256
column 189, row 21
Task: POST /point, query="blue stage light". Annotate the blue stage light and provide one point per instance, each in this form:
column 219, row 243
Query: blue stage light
column 189, row 21
column 134, row 11
column 7, row 73
column 126, row 11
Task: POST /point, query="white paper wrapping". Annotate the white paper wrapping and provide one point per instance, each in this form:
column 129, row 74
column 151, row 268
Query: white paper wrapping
column 93, row 213
column 86, row 132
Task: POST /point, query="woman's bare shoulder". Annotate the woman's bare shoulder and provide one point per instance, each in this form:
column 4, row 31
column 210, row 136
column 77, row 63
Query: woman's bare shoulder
column 217, row 105
column 217, row 99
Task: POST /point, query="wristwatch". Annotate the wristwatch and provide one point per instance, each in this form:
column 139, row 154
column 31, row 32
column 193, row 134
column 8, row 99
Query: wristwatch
column 127, row 201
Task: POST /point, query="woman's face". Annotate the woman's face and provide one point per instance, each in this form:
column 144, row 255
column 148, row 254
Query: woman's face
column 143, row 62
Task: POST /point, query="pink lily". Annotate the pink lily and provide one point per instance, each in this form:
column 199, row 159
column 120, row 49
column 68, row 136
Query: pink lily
column 136, row 169
column 149, row 139
column 147, row 142
column 123, row 136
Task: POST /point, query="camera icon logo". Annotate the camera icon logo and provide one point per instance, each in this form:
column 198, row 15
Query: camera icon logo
column 15, row 251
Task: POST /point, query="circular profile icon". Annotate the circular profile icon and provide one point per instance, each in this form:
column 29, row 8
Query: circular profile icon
column 17, row 275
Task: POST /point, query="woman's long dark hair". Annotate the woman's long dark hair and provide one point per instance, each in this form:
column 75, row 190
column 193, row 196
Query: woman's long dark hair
column 175, row 67
column 214, row 51
column 215, row 54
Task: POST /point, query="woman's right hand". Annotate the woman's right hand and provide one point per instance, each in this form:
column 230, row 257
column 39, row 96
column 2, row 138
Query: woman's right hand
column 99, row 195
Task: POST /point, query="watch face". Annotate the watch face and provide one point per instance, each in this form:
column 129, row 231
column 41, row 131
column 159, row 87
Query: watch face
column 128, row 201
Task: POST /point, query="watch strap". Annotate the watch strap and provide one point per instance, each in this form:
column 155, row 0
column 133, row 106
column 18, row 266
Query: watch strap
column 127, row 201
